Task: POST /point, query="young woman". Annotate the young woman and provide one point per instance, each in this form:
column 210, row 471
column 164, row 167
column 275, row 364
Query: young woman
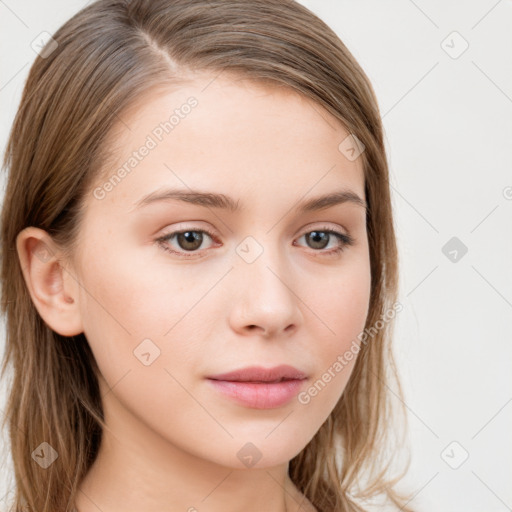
column 199, row 269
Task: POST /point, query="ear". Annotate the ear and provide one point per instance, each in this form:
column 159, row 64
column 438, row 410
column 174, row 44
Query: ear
column 53, row 288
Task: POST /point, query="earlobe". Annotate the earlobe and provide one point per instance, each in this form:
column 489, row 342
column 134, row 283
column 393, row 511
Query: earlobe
column 54, row 291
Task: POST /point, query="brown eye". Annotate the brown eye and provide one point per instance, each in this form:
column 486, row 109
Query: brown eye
column 189, row 240
column 319, row 239
column 185, row 241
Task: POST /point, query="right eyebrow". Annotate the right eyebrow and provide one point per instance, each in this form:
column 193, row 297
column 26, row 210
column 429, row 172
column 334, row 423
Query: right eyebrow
column 207, row 199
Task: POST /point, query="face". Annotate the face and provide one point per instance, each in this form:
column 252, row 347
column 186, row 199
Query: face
column 175, row 290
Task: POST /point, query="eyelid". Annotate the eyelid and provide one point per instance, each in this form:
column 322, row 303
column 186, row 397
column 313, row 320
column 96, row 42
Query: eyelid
column 323, row 226
column 183, row 227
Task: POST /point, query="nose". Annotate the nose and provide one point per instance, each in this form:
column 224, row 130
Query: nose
column 265, row 301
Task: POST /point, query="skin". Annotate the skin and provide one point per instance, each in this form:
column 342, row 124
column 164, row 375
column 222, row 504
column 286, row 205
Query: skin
column 172, row 439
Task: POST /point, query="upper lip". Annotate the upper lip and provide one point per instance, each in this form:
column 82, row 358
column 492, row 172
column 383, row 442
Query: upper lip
column 260, row 374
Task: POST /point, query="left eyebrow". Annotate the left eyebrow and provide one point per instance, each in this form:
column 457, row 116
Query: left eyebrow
column 329, row 200
column 221, row 201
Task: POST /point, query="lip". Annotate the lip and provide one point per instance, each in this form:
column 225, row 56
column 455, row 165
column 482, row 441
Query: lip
column 258, row 387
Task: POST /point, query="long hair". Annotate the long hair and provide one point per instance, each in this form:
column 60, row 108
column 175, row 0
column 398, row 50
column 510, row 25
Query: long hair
column 101, row 62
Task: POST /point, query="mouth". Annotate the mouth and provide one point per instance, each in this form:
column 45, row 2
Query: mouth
column 260, row 374
column 260, row 388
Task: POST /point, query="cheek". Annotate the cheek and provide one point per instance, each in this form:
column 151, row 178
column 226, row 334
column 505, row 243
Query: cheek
column 343, row 305
column 343, row 308
column 120, row 308
column 130, row 310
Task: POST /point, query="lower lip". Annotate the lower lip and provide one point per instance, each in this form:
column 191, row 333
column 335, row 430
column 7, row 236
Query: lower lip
column 259, row 395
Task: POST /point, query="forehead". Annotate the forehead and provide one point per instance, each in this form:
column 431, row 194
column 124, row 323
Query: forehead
column 226, row 133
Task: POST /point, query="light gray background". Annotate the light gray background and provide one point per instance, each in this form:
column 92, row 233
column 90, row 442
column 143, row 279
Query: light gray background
column 448, row 125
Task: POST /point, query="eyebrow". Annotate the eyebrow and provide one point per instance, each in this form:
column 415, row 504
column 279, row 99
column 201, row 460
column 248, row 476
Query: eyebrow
column 221, row 201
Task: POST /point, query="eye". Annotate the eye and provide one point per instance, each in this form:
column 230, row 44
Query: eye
column 320, row 239
column 189, row 241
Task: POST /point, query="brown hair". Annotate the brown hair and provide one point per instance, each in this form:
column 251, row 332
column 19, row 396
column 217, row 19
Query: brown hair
column 107, row 57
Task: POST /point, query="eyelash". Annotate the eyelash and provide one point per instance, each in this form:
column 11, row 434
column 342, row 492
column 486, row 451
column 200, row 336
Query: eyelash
column 345, row 241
